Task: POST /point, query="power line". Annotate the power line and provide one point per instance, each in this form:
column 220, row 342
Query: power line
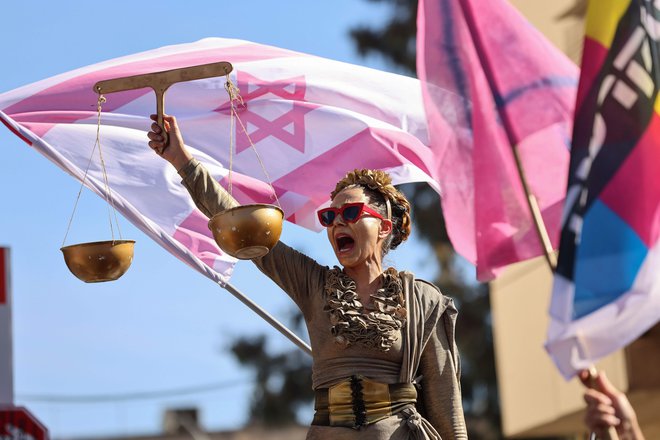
column 138, row 395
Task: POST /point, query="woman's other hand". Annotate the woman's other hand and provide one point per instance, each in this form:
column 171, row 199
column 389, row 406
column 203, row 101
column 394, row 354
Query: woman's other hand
column 608, row 407
column 174, row 151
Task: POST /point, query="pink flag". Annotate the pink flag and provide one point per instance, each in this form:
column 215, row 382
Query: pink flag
column 494, row 81
column 311, row 120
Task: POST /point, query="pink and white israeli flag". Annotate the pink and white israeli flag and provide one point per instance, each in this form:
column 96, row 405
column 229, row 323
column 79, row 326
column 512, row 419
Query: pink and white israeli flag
column 508, row 85
column 311, row 120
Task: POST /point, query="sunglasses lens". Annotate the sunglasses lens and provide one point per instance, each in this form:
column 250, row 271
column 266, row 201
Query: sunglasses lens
column 327, row 217
column 351, row 213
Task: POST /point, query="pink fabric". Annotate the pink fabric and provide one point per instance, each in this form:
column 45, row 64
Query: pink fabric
column 79, row 89
column 192, row 233
column 637, row 184
column 370, row 148
column 310, row 119
column 494, row 80
column 597, row 56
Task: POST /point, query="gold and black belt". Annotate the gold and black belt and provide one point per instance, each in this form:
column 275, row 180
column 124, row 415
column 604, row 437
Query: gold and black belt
column 358, row 401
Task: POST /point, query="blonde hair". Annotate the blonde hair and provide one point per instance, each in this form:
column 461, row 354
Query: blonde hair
column 377, row 186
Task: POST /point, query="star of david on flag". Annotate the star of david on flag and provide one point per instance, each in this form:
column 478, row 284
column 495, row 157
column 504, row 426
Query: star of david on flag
column 289, row 127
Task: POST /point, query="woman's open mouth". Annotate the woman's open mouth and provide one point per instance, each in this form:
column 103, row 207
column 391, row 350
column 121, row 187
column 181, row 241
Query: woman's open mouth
column 345, row 243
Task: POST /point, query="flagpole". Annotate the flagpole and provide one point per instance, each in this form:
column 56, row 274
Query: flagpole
column 542, row 231
column 532, row 203
column 268, row 318
column 611, row 433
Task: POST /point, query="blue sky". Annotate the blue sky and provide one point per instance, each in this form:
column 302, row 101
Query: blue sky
column 162, row 326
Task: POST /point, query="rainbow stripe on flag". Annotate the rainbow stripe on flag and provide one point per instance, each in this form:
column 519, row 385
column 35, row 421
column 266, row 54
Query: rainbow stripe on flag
column 607, row 284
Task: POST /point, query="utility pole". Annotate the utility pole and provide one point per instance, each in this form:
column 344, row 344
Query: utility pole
column 6, row 336
column 16, row 422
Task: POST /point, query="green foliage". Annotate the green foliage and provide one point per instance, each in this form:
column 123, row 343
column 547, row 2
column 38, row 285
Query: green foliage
column 395, row 41
column 283, row 382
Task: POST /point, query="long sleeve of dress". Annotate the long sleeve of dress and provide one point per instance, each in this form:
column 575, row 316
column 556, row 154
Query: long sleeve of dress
column 440, row 370
column 208, row 195
column 292, row 271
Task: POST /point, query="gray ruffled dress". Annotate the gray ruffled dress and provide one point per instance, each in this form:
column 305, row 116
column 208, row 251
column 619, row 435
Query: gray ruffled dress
column 405, row 336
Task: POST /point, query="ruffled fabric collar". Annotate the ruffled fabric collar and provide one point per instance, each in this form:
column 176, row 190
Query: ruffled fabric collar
column 375, row 326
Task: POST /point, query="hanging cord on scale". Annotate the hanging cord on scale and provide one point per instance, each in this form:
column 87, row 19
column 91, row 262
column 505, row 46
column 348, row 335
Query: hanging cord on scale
column 234, row 99
column 108, row 195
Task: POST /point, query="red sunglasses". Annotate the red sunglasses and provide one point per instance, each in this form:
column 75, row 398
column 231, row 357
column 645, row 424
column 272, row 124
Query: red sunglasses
column 350, row 212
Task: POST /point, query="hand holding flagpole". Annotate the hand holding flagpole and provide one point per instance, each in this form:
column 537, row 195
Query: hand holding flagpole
column 601, row 415
column 609, row 413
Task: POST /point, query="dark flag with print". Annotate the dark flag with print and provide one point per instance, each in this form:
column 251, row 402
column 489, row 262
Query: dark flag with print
column 607, row 284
